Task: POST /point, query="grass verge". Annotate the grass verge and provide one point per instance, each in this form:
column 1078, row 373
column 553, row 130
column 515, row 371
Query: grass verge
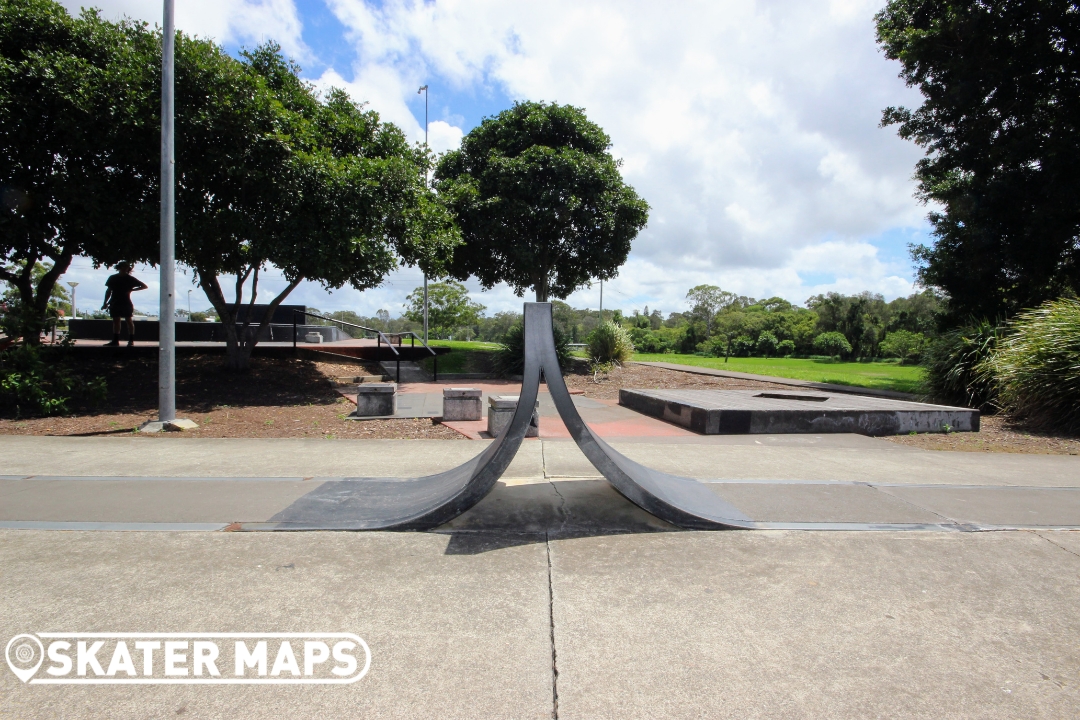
column 877, row 375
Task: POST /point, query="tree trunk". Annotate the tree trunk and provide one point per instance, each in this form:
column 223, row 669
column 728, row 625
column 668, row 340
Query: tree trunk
column 239, row 343
column 34, row 302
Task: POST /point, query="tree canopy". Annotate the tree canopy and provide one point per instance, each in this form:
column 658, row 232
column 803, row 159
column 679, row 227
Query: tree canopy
column 1000, row 123
column 540, row 201
column 269, row 172
column 73, row 98
column 449, row 307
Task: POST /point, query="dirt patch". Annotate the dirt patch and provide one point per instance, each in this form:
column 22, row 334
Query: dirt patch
column 276, row 398
column 647, row 377
column 995, row 435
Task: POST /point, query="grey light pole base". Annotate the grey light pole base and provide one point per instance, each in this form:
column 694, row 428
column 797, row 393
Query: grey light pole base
column 177, row 425
column 427, row 502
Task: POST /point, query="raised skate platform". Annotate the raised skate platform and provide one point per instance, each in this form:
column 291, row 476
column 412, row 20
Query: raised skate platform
column 720, row 412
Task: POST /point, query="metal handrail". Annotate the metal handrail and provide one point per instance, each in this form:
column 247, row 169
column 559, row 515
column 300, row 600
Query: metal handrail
column 381, row 336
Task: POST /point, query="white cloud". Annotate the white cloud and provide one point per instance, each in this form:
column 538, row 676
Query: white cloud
column 750, row 127
column 226, row 21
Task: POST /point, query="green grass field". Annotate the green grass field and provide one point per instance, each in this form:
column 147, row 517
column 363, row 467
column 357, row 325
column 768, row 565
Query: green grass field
column 878, row 375
column 464, row 357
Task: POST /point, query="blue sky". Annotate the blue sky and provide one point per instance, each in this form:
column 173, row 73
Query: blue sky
column 750, row 127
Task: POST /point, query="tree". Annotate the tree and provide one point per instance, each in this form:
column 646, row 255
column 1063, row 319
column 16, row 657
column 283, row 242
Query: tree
column 269, row 173
column 78, row 146
column 1000, row 123
column 449, row 307
column 832, row 343
column 707, row 300
column 540, row 201
column 767, row 344
column 903, row 344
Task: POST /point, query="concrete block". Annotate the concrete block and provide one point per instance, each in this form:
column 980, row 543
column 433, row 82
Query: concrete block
column 501, row 409
column 313, row 337
column 376, row 399
column 713, row 412
column 462, row 404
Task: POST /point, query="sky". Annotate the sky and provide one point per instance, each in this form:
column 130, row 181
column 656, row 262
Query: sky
column 751, row 128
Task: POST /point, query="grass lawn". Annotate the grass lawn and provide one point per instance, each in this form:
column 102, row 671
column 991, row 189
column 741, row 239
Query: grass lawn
column 464, row 357
column 879, row 375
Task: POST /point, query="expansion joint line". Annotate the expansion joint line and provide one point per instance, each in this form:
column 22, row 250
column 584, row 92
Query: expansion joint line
column 551, row 628
column 1036, row 533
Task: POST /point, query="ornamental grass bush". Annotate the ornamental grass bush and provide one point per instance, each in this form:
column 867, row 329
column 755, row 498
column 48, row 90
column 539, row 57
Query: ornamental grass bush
column 610, row 342
column 1036, row 367
column 955, row 366
column 510, row 357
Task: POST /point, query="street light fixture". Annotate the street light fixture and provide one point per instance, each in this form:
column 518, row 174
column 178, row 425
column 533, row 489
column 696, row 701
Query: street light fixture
column 74, row 307
column 424, row 89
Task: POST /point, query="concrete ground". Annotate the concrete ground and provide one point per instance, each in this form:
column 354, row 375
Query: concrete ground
column 555, row 597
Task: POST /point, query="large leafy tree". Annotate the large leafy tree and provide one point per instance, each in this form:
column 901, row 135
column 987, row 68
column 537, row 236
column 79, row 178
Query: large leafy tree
column 449, row 307
column 74, row 94
column 270, row 173
column 540, row 201
column 1000, row 123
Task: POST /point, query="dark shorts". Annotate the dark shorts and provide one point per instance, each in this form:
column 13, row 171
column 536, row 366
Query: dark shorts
column 119, row 311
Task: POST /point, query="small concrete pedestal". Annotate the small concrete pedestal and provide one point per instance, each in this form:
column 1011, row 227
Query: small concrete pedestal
column 462, row 404
column 376, row 400
column 171, row 426
column 501, row 409
column 313, row 337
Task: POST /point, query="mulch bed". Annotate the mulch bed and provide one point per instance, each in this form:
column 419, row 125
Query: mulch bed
column 293, row 398
column 276, row 398
column 995, row 434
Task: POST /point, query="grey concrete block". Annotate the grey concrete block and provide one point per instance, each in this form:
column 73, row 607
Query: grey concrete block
column 462, row 404
column 376, row 399
column 713, row 412
column 501, row 409
column 313, row 337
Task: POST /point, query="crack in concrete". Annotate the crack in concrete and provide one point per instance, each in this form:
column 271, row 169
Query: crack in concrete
column 551, row 626
column 1038, row 534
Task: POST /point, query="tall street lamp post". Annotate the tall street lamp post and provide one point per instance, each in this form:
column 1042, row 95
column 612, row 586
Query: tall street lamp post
column 424, row 90
column 167, row 300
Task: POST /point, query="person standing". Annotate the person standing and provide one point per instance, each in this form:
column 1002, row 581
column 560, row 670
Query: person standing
column 118, row 289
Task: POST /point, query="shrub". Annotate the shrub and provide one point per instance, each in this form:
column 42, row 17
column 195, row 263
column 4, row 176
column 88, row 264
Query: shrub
column 742, row 346
column 1037, row 366
column 31, row 386
column 786, row 348
column 903, row 344
column 832, row 343
column 648, row 341
column 767, row 343
column 955, row 372
column 610, row 342
column 510, row 357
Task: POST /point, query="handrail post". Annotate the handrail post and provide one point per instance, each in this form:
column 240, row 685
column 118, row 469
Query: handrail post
column 435, row 368
column 399, row 370
column 293, row 329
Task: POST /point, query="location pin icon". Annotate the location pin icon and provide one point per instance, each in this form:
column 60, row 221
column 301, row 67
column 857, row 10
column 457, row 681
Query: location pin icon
column 24, row 655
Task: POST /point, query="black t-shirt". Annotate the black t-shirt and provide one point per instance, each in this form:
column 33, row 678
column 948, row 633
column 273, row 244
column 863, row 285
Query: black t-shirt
column 122, row 286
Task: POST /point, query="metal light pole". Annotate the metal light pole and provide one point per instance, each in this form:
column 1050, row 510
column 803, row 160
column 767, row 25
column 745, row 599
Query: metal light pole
column 601, row 300
column 189, row 305
column 167, row 303
column 74, row 307
column 424, row 90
